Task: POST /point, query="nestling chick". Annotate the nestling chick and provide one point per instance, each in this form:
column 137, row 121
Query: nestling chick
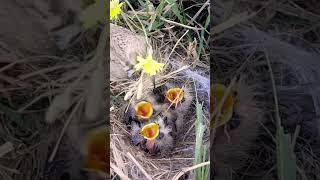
column 97, row 150
column 150, row 105
column 167, row 135
column 179, row 100
column 161, row 100
column 82, row 156
column 230, row 151
column 158, row 116
column 157, row 136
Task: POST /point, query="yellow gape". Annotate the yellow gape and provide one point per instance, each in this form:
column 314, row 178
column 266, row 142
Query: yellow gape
column 175, row 95
column 144, row 110
column 150, row 131
column 226, row 111
column 98, row 150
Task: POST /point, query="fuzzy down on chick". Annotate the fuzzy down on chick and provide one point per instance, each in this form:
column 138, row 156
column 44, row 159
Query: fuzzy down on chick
column 164, row 142
column 230, row 151
column 170, row 120
column 159, row 103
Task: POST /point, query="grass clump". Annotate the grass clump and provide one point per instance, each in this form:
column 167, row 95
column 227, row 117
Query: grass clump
column 201, row 150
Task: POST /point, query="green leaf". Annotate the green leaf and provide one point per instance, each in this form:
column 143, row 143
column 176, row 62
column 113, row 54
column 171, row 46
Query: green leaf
column 156, row 23
column 201, row 46
column 201, row 151
column 94, row 14
column 286, row 157
column 176, row 10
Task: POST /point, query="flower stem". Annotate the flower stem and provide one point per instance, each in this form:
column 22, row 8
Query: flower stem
column 154, row 82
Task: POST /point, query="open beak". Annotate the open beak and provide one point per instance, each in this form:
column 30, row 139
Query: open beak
column 175, row 95
column 217, row 93
column 150, row 131
column 98, row 151
column 144, row 110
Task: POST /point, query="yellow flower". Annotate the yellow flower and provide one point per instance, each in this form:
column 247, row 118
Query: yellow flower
column 148, row 65
column 115, row 9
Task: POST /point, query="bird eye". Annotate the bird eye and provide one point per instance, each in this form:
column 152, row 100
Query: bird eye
column 157, row 123
column 161, row 135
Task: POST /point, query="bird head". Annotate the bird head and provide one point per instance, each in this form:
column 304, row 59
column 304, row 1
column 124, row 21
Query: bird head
column 218, row 92
column 143, row 110
column 97, row 150
column 150, row 131
column 175, row 95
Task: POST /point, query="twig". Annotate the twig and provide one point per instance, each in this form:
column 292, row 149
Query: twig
column 174, row 47
column 184, row 170
column 139, row 166
column 14, row 171
column 64, row 130
column 6, row 148
column 296, row 135
column 142, row 26
column 234, row 20
column 207, row 3
column 179, row 24
column 119, row 172
column 184, row 85
column 275, row 94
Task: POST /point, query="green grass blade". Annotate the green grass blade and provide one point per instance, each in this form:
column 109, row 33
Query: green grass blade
column 201, row 46
column 286, row 157
column 286, row 160
column 200, row 149
column 176, row 10
column 156, row 23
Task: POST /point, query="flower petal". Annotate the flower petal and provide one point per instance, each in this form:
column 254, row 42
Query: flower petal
column 148, row 65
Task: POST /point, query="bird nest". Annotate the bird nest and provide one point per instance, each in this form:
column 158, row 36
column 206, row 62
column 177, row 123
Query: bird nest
column 128, row 160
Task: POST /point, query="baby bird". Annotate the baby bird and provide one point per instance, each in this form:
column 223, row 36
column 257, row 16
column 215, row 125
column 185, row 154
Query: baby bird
column 157, row 136
column 150, row 105
column 230, row 151
column 155, row 121
column 175, row 100
column 96, row 152
column 168, row 133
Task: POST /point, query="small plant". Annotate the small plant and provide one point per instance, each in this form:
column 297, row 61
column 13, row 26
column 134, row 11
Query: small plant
column 115, row 9
column 201, row 150
column 148, row 65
